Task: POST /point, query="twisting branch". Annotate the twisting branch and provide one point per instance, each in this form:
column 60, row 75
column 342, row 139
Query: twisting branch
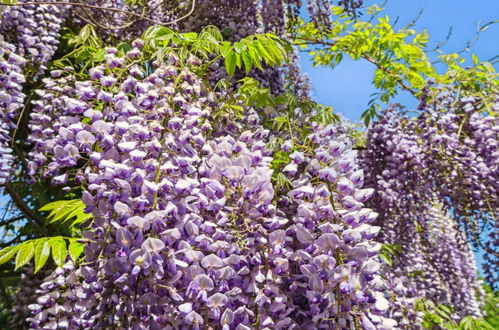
column 384, row 69
column 116, row 10
column 28, row 212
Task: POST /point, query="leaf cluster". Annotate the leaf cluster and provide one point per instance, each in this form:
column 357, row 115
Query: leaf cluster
column 441, row 316
column 401, row 57
column 253, row 51
column 40, row 249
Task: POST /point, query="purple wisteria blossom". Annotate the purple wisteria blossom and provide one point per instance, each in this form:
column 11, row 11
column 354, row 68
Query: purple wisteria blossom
column 188, row 230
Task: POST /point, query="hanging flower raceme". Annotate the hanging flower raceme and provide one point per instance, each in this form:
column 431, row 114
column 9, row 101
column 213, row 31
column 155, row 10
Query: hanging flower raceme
column 414, row 163
column 61, row 299
column 34, row 29
column 464, row 137
column 11, row 100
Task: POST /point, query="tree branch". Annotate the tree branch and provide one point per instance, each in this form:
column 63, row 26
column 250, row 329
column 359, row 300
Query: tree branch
column 28, row 212
column 11, row 242
column 6, row 222
column 364, row 56
column 116, row 10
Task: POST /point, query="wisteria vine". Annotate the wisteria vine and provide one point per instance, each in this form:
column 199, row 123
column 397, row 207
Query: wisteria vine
column 209, row 212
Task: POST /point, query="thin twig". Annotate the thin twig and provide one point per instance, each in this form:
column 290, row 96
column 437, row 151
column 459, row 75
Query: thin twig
column 12, row 241
column 397, row 77
column 364, row 56
column 6, row 209
column 121, row 11
column 26, row 103
column 6, row 222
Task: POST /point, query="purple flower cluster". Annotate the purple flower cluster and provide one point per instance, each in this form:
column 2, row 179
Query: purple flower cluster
column 319, row 12
column 455, row 261
column 53, row 114
column 61, row 299
column 444, row 157
column 11, row 100
column 333, row 227
column 34, row 29
column 273, row 16
column 464, row 139
column 188, row 230
column 439, row 266
column 352, row 7
column 27, row 295
column 226, row 15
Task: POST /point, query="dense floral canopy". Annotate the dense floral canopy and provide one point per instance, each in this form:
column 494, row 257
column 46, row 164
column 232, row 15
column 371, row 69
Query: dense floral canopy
column 166, row 168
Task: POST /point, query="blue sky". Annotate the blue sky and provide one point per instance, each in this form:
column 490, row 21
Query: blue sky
column 348, row 86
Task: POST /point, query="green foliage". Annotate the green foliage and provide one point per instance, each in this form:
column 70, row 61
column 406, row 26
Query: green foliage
column 401, row 57
column 440, row 317
column 41, row 249
column 25, row 252
column 67, row 210
column 326, row 116
column 470, row 323
column 42, row 253
column 491, row 306
column 252, row 51
column 59, row 249
column 388, row 252
column 8, row 253
column 86, row 49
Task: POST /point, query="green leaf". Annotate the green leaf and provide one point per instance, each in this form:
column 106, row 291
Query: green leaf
column 279, row 122
column 58, row 245
column 42, row 253
column 248, row 62
column 124, row 47
column 211, row 33
column 386, row 258
column 283, row 181
column 190, row 35
column 420, row 305
column 25, row 253
column 240, row 47
column 75, row 250
column 8, row 253
column 230, row 63
column 470, row 323
column 264, row 53
column 444, row 311
column 255, row 56
column 63, row 210
column 51, row 206
column 237, row 109
column 225, row 48
column 66, row 210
